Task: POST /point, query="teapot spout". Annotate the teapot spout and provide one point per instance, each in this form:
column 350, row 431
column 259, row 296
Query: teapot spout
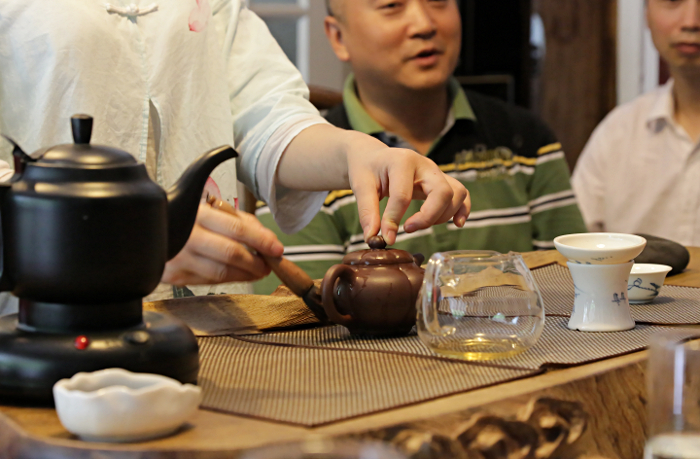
column 184, row 196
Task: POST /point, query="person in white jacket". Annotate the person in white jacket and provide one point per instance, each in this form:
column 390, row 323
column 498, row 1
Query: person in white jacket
column 169, row 80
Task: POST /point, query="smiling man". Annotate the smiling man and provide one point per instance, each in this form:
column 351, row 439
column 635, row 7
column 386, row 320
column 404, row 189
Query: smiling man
column 403, row 54
column 640, row 171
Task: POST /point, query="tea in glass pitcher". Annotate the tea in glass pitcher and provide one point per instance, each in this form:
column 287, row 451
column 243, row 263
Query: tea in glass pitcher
column 479, row 305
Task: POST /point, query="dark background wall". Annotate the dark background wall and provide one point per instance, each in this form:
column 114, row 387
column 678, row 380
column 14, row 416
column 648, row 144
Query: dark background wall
column 572, row 88
column 496, row 41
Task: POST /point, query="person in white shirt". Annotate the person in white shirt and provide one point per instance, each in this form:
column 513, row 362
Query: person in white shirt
column 169, row 80
column 640, row 170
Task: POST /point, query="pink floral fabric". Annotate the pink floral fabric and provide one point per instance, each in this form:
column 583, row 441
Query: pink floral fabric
column 211, row 189
column 199, row 17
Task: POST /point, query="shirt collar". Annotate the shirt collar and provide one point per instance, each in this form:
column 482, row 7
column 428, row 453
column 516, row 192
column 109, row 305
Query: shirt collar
column 663, row 107
column 361, row 121
column 461, row 108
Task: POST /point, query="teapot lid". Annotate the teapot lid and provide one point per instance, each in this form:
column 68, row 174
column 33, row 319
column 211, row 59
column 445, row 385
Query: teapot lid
column 83, row 155
column 377, row 254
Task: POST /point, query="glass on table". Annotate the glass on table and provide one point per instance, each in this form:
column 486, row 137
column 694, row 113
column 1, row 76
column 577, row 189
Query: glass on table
column 673, row 383
column 479, row 305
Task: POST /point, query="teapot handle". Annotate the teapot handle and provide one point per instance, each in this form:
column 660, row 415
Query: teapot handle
column 418, row 259
column 333, row 274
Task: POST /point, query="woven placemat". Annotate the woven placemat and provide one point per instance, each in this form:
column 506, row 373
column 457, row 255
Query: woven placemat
column 557, row 346
column 311, row 387
column 319, row 376
column 673, row 306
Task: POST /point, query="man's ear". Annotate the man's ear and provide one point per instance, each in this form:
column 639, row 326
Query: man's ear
column 334, row 33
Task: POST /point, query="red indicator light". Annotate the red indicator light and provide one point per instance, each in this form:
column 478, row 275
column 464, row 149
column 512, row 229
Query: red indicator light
column 81, row 342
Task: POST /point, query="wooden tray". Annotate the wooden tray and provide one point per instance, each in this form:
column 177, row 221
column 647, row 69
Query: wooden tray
column 599, row 407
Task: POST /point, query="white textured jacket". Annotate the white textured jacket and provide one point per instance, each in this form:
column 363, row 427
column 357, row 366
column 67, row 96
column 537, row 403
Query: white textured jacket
column 197, row 74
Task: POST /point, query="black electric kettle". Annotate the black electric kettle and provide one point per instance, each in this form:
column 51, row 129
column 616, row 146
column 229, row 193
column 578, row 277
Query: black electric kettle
column 85, row 236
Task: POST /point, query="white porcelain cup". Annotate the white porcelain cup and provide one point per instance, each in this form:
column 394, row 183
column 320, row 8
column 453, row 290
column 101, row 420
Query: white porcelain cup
column 646, row 279
column 115, row 405
column 600, row 297
column 600, row 248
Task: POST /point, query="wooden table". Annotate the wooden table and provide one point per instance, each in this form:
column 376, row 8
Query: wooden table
column 609, row 394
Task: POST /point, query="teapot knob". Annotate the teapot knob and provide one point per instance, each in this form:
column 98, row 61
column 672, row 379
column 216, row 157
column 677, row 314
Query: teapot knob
column 376, row 242
column 82, row 128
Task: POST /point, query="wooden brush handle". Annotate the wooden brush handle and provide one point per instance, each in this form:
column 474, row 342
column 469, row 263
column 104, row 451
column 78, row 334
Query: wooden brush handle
column 290, row 274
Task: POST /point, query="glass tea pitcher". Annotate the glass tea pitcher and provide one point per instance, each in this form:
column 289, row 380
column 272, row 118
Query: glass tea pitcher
column 479, row 305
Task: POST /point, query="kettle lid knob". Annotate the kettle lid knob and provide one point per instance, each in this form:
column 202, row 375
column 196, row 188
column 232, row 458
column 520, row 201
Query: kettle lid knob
column 82, row 128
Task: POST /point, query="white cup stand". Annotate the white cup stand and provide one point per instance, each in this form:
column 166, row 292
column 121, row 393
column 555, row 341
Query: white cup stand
column 600, row 297
column 600, row 265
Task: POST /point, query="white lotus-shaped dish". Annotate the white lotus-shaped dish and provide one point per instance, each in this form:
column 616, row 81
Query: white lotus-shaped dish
column 645, row 282
column 116, row 405
column 600, row 248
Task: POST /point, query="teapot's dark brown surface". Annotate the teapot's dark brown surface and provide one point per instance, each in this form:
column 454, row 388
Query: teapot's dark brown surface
column 374, row 291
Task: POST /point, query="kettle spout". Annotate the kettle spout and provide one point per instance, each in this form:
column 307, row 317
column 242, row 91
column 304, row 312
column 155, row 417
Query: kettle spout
column 184, row 196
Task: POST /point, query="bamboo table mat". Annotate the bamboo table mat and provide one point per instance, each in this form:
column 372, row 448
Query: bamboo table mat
column 557, row 346
column 322, row 375
column 315, row 386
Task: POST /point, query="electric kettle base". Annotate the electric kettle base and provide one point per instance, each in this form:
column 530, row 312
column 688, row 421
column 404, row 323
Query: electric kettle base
column 31, row 363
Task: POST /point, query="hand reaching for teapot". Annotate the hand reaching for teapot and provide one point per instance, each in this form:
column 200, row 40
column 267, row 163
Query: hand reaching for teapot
column 403, row 175
column 216, row 251
column 323, row 157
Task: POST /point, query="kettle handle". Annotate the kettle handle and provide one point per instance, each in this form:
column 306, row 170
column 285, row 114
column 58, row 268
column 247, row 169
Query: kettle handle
column 21, row 159
column 333, row 274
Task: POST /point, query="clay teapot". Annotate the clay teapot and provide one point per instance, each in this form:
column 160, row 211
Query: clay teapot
column 84, row 224
column 373, row 292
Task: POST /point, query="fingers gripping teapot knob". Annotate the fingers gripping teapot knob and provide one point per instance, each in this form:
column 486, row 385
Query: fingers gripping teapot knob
column 82, row 128
column 376, row 242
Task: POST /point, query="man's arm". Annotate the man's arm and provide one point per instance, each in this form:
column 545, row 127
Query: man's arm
column 324, row 157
